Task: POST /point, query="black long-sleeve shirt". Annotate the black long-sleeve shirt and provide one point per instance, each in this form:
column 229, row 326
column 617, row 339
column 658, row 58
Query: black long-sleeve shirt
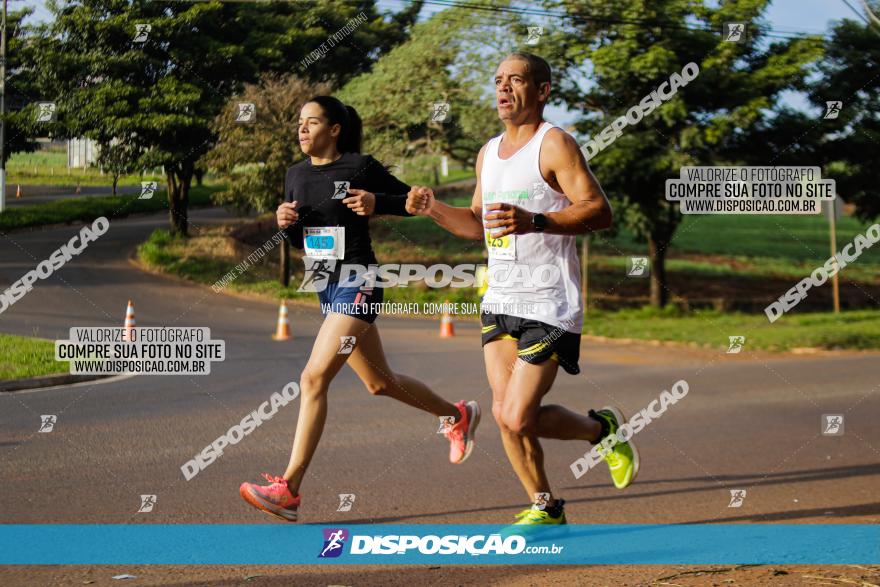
column 319, row 194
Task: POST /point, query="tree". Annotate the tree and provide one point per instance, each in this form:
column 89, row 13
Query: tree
column 167, row 84
column 21, row 93
column 446, row 60
column 850, row 145
column 119, row 157
column 847, row 146
column 253, row 158
column 628, row 48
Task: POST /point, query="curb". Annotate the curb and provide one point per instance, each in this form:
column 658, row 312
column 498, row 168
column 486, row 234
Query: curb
column 46, row 381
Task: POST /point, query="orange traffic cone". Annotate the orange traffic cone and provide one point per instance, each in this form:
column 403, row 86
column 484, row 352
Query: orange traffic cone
column 129, row 320
column 18, row 191
column 282, row 332
column 447, row 328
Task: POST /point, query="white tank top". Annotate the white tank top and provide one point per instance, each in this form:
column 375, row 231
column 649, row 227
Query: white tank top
column 534, row 276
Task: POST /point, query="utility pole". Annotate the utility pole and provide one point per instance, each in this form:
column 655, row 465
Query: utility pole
column 833, row 209
column 3, row 110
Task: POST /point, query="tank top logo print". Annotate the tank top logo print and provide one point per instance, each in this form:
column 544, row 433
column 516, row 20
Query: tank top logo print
column 536, row 192
column 539, row 188
column 507, row 196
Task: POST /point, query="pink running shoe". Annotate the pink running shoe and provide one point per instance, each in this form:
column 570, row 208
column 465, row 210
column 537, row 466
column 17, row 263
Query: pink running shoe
column 274, row 499
column 461, row 436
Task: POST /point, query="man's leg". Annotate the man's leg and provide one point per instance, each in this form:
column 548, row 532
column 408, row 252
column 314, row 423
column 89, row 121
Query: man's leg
column 554, row 421
column 523, row 414
column 524, row 452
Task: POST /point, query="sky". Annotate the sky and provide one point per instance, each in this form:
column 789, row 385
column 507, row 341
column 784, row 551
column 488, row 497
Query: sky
column 787, row 16
column 810, row 16
column 784, row 16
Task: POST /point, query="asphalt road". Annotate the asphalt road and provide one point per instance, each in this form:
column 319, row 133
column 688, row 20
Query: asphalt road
column 750, row 421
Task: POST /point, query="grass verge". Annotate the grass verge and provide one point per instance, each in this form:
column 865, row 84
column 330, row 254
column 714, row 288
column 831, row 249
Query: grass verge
column 858, row 329
column 22, row 356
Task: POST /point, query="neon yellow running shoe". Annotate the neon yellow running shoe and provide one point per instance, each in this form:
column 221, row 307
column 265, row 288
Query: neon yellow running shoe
column 535, row 517
column 623, row 458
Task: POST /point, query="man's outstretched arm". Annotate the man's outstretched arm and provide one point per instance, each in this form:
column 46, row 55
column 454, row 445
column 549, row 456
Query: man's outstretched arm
column 462, row 222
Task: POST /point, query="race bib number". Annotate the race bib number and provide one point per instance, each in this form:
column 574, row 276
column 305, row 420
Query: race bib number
column 501, row 247
column 324, row 242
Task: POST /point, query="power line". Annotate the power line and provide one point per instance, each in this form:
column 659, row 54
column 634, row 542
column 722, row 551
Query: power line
column 583, row 18
column 857, row 13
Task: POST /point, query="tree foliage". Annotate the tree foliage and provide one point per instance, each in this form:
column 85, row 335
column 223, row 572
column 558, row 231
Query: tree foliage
column 253, row 158
column 446, row 60
column 167, row 90
column 625, row 49
column 21, row 91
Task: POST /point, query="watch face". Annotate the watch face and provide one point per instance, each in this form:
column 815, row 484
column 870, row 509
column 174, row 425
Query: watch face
column 540, row 222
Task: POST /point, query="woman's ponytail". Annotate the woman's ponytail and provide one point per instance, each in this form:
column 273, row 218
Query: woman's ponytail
column 353, row 135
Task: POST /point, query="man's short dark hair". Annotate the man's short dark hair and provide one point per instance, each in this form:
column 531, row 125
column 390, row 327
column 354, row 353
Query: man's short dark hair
column 538, row 66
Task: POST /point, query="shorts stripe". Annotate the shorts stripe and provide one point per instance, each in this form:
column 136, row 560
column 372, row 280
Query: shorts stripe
column 535, row 348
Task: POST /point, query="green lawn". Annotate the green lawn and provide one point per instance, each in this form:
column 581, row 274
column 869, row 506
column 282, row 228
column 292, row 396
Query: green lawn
column 783, row 238
column 854, row 330
column 22, row 357
column 50, row 168
column 781, row 245
column 86, row 209
column 759, row 246
column 419, row 170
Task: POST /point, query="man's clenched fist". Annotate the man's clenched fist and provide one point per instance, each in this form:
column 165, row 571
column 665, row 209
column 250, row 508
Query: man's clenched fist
column 419, row 200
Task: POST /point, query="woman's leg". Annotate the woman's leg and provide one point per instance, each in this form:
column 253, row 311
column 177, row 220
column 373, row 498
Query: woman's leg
column 323, row 365
column 368, row 361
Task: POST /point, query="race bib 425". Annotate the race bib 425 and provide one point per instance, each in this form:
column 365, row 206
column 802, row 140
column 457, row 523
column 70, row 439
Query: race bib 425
column 501, row 247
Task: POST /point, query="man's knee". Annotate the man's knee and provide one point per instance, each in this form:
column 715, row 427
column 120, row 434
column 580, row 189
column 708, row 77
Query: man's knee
column 498, row 413
column 518, row 422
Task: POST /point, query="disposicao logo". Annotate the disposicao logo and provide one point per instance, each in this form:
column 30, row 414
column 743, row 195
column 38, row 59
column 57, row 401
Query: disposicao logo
column 334, row 541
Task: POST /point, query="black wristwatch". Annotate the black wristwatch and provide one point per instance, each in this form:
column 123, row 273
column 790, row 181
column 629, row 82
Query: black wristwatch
column 539, row 222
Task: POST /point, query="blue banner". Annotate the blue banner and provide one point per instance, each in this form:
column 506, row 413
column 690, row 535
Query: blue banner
column 173, row 544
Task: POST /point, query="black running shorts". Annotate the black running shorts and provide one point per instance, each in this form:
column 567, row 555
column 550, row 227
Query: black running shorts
column 535, row 341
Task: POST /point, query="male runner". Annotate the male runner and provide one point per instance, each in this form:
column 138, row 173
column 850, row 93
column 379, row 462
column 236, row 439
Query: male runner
column 534, row 193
